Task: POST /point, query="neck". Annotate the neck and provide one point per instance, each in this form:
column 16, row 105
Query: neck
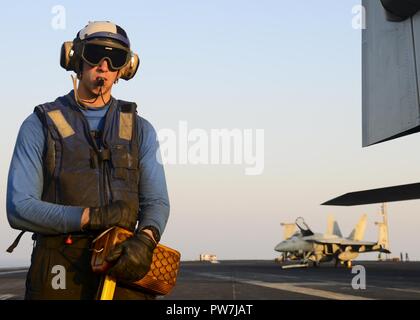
column 91, row 99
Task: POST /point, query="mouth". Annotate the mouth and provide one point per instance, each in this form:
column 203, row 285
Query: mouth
column 100, row 81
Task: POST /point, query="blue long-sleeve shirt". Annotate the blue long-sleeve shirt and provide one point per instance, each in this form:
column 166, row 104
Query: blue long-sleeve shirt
column 26, row 210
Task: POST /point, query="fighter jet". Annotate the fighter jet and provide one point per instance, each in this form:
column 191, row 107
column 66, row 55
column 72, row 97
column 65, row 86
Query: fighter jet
column 306, row 246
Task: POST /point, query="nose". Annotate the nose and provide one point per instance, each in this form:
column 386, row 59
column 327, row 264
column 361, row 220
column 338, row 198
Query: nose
column 103, row 65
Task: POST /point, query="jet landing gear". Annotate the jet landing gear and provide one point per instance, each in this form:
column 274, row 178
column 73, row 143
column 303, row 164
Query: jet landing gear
column 336, row 263
column 348, row 264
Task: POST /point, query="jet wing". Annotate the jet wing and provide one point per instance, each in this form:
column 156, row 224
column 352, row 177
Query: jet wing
column 388, row 194
column 314, row 239
column 357, row 243
column 360, row 246
column 343, row 242
column 327, row 241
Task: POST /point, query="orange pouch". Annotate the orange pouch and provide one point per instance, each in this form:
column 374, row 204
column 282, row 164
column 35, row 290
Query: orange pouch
column 163, row 272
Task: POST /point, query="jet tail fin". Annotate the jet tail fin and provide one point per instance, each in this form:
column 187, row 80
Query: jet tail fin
column 288, row 230
column 332, row 227
column 358, row 232
column 337, row 230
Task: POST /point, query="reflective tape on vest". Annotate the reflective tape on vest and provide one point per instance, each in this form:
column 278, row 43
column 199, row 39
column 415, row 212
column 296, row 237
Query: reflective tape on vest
column 61, row 123
column 126, row 125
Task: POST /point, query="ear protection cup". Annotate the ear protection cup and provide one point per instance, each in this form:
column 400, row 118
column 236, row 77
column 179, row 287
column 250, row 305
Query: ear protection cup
column 67, row 56
column 130, row 69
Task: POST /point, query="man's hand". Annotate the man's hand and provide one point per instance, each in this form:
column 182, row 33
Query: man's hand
column 117, row 213
column 133, row 258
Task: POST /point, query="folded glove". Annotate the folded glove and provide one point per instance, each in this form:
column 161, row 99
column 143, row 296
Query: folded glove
column 133, row 258
column 117, row 213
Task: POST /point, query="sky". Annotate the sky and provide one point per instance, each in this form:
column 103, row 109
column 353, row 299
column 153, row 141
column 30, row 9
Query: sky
column 289, row 68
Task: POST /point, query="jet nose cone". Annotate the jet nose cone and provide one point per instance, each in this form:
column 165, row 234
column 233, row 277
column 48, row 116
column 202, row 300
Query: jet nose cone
column 279, row 247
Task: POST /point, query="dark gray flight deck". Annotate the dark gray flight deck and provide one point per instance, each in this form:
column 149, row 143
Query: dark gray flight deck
column 265, row 280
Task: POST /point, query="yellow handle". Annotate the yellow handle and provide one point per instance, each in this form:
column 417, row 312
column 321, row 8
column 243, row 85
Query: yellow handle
column 108, row 288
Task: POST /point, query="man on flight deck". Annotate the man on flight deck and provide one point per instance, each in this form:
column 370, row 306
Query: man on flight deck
column 82, row 164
